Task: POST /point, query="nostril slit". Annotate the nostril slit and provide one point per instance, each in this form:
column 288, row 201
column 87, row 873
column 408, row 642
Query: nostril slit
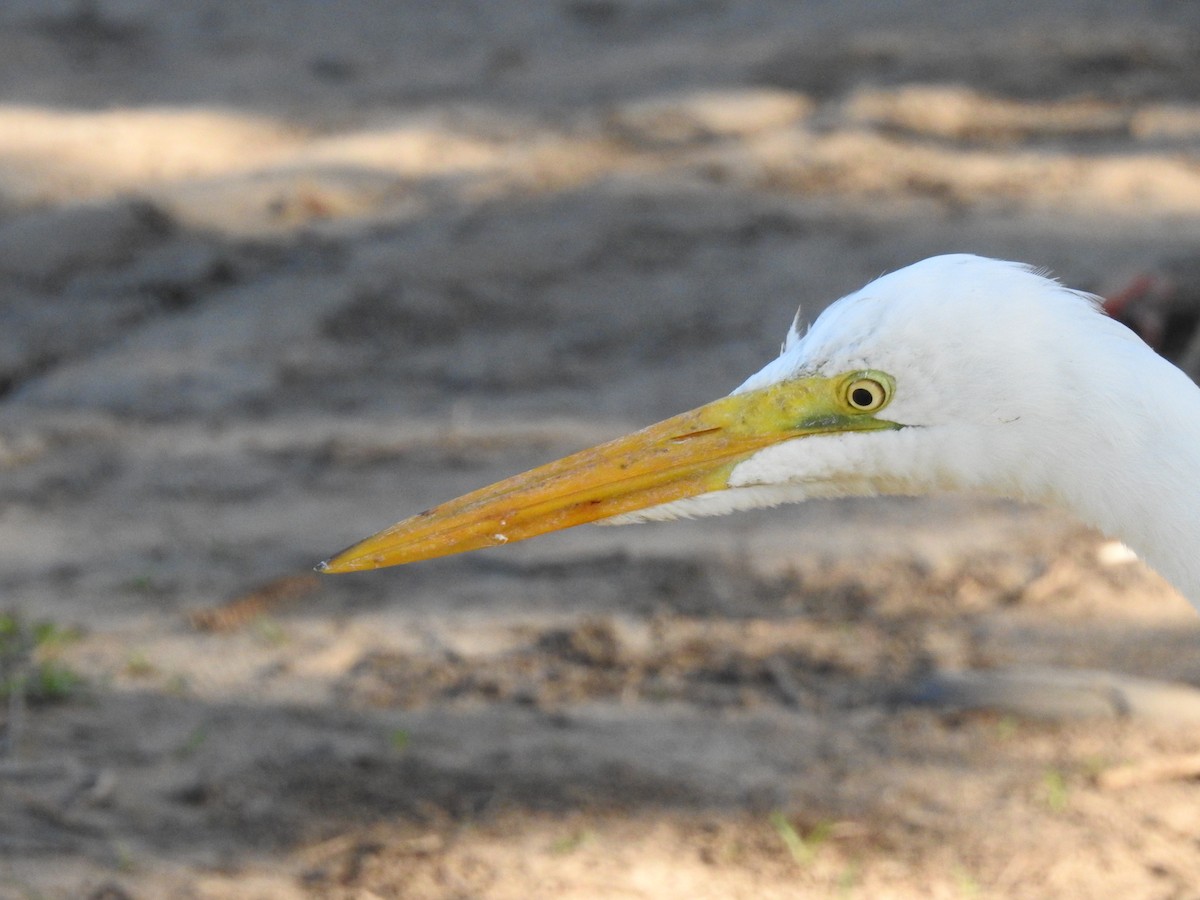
column 695, row 434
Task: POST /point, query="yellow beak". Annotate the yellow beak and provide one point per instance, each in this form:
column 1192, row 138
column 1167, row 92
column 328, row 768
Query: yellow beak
column 680, row 457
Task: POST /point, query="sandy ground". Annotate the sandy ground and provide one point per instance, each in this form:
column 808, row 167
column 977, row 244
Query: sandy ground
column 275, row 274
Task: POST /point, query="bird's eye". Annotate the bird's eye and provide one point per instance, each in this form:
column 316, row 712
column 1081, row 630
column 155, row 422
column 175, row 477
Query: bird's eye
column 866, row 394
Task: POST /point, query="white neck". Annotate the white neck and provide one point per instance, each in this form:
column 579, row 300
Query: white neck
column 1139, row 477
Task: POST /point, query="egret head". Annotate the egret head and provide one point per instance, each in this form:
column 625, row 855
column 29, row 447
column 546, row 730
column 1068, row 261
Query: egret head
column 957, row 372
column 997, row 370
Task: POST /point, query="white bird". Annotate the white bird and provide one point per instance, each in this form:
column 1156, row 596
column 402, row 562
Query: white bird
column 957, row 373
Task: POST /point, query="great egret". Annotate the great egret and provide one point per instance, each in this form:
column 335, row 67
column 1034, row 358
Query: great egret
column 955, row 373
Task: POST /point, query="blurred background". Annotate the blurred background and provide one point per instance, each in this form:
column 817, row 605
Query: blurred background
column 275, row 274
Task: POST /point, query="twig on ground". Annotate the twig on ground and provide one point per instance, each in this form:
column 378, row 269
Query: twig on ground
column 257, row 602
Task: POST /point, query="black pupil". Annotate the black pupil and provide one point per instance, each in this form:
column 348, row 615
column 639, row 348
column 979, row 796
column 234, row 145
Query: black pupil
column 862, row 397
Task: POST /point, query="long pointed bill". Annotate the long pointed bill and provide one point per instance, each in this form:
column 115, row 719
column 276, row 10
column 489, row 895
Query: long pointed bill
column 681, row 457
